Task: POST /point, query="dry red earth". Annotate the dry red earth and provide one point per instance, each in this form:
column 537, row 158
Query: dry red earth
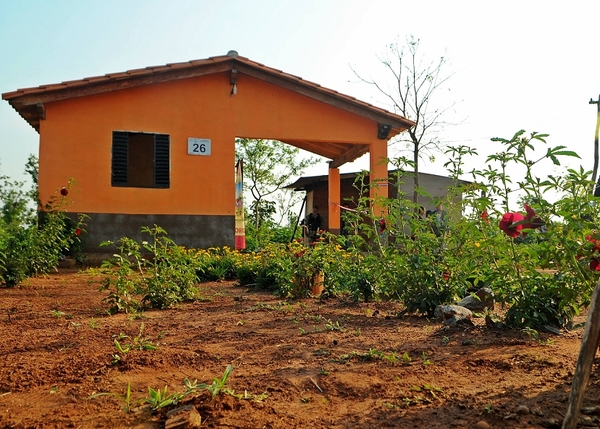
column 309, row 357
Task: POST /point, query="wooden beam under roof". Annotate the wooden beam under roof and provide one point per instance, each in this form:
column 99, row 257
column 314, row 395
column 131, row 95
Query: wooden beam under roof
column 350, row 155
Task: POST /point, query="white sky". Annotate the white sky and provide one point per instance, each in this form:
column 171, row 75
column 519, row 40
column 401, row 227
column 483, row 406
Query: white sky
column 518, row 64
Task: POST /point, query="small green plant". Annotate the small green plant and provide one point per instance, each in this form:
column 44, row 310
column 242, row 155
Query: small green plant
column 424, row 394
column 334, row 326
column 137, row 343
column 57, row 313
column 425, row 359
column 125, row 399
column 218, row 384
column 406, row 359
column 390, row 357
column 93, row 324
column 159, row 398
column 246, row 395
column 531, row 333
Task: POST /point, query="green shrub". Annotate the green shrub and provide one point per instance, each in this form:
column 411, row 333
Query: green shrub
column 31, row 243
column 163, row 276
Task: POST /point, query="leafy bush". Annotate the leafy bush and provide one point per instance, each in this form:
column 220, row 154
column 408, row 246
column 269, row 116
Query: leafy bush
column 543, row 273
column 31, row 243
column 214, row 264
column 164, row 275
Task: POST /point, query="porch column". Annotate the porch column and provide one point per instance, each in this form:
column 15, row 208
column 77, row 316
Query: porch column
column 379, row 172
column 334, row 200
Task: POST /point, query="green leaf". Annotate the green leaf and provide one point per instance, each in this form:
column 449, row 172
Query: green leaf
column 567, row 153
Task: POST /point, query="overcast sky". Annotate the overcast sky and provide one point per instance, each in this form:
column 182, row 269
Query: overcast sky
column 529, row 65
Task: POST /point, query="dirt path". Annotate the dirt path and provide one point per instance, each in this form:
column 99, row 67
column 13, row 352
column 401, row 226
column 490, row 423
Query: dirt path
column 321, row 364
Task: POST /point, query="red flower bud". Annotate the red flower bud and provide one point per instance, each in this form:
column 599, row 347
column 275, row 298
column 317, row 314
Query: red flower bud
column 64, row 192
column 485, row 216
column 78, row 231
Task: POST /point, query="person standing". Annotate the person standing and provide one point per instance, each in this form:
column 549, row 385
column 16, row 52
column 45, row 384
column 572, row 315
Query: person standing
column 440, row 220
column 311, row 225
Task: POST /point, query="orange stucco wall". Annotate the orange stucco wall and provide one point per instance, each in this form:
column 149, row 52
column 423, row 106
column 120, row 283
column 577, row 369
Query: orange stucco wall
column 76, row 140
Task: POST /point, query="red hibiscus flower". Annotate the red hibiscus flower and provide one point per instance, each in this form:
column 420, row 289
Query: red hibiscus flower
column 382, row 225
column 64, row 192
column 507, row 221
column 594, row 263
column 533, row 220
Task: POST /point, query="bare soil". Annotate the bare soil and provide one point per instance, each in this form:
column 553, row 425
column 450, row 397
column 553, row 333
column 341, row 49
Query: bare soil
column 322, row 363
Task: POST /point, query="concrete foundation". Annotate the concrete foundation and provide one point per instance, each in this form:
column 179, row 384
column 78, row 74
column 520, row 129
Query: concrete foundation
column 185, row 230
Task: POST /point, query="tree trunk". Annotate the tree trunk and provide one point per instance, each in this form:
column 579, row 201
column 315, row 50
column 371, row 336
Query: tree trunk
column 416, row 178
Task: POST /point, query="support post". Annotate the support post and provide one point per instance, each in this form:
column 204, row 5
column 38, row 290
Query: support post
column 333, row 197
column 589, row 345
column 596, row 190
column 379, row 173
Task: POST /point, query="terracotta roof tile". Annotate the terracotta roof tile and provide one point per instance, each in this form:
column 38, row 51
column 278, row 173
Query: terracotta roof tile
column 119, row 75
column 178, row 65
column 96, row 79
column 158, row 69
column 72, row 83
column 200, row 62
column 28, row 90
column 8, row 95
column 132, row 74
column 137, row 72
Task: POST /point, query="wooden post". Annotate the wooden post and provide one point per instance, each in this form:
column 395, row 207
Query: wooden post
column 595, row 170
column 589, row 345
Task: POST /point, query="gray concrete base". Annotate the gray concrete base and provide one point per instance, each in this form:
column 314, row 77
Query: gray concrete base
column 200, row 231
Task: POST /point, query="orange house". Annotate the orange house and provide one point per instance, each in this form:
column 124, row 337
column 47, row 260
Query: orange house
column 157, row 145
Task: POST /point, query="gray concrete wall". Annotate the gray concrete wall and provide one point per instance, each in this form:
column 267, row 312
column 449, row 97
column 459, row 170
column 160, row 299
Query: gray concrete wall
column 201, row 231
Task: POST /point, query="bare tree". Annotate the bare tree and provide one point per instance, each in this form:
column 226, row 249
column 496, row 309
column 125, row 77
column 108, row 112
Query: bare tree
column 414, row 84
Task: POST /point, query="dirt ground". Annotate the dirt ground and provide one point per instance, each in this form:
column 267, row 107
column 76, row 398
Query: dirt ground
column 330, row 363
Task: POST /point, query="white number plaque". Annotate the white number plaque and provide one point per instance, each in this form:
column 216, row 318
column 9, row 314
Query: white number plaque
column 198, row 146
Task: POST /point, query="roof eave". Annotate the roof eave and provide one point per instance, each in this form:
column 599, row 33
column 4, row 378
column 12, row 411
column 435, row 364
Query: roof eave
column 28, row 101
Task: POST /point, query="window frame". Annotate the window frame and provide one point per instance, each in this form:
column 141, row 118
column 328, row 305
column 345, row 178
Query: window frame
column 120, row 164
